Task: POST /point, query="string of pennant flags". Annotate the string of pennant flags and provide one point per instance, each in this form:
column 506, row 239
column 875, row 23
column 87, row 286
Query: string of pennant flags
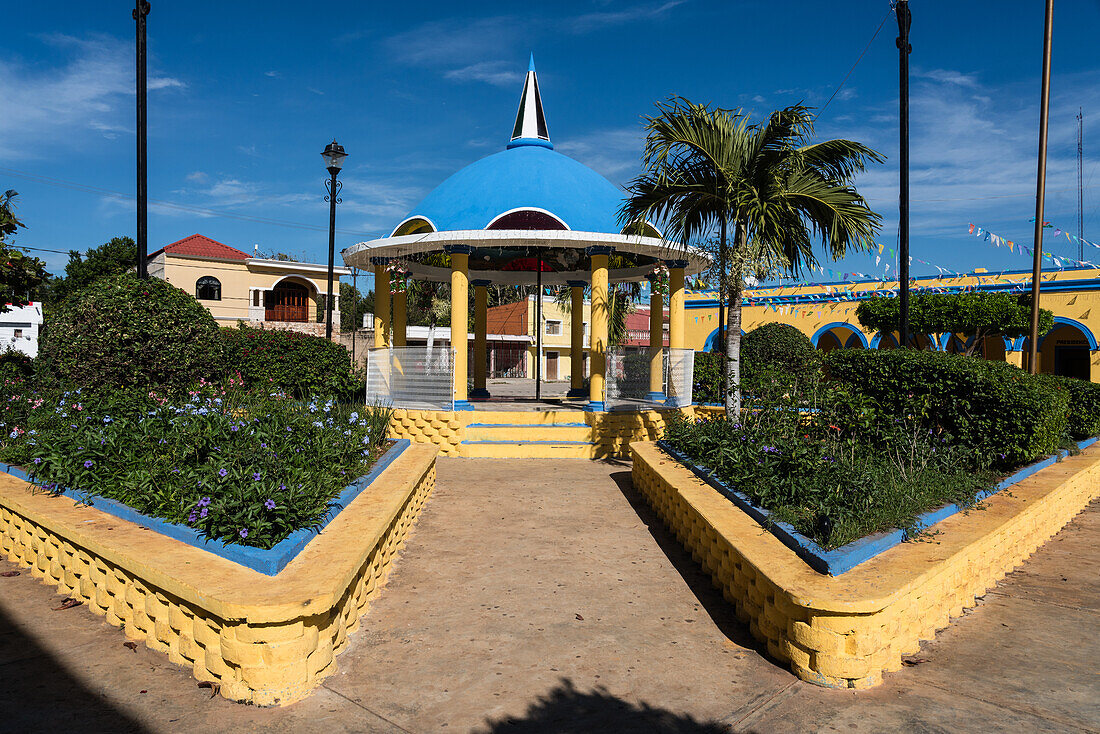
column 1059, row 261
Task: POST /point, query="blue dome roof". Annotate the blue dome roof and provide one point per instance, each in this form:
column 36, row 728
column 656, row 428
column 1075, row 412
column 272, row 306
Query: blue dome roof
column 524, row 177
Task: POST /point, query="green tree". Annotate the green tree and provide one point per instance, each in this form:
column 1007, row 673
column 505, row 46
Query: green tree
column 20, row 274
column 978, row 315
column 709, row 169
column 353, row 305
column 117, row 256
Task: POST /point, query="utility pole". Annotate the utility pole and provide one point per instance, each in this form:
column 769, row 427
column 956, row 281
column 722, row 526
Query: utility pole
column 141, row 9
column 1040, row 193
column 1080, row 185
column 904, row 49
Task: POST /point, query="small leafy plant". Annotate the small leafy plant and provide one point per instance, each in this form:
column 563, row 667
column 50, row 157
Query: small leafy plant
column 240, row 465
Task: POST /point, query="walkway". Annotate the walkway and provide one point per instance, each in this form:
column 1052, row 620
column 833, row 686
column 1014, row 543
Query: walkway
column 541, row 596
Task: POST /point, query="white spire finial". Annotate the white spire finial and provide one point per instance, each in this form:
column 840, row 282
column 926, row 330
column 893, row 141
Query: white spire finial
column 530, row 127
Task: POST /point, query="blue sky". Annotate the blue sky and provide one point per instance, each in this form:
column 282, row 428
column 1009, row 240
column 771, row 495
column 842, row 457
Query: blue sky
column 243, row 97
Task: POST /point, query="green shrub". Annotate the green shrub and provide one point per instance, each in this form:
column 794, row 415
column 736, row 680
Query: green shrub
column 707, row 378
column 1083, row 413
column 240, row 466
column 122, row 331
column 771, row 348
column 15, row 365
column 779, row 348
column 288, row 360
column 1005, row 415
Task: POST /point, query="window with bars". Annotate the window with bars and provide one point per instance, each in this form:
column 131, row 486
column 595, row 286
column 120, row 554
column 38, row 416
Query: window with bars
column 553, row 328
column 208, row 288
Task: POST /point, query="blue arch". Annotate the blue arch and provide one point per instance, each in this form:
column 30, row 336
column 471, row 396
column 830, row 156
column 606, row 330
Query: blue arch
column 836, row 324
column 712, row 341
column 878, row 338
column 1085, row 331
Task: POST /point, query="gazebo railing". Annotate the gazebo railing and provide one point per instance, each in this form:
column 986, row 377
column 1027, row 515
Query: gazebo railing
column 411, row 377
column 628, row 382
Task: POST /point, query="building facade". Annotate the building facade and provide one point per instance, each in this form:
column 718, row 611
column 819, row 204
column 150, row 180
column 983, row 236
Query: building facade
column 19, row 327
column 826, row 313
column 519, row 319
column 235, row 286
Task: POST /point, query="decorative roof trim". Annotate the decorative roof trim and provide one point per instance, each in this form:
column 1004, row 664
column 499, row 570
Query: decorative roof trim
column 538, row 209
column 530, row 127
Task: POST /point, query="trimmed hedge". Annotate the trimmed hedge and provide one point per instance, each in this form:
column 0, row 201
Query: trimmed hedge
column 781, row 348
column 1004, row 413
column 771, row 348
column 121, row 331
column 1083, row 414
column 298, row 363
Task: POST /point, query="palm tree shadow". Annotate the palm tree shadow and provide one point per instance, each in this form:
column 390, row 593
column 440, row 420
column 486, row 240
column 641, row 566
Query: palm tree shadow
column 721, row 612
column 566, row 709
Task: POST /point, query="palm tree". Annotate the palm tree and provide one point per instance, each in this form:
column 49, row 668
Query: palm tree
column 707, row 169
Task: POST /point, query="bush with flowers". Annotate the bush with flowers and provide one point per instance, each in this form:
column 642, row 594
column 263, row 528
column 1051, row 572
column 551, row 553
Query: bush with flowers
column 829, row 461
column 241, row 465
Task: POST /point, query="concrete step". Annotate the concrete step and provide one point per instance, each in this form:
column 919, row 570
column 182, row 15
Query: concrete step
column 528, row 417
column 528, row 449
column 529, row 432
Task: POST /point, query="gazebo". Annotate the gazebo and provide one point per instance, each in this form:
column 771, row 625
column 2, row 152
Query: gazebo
column 527, row 215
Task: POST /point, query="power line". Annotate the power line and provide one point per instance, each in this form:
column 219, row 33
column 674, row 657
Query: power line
column 862, row 53
column 61, row 183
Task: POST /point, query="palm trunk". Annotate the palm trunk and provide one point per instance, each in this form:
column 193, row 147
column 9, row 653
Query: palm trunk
column 722, row 343
column 733, row 335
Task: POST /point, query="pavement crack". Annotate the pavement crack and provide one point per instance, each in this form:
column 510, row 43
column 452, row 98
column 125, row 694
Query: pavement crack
column 372, row 713
column 761, row 708
column 1037, row 712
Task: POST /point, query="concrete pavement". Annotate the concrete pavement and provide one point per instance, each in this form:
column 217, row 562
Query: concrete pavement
column 544, row 596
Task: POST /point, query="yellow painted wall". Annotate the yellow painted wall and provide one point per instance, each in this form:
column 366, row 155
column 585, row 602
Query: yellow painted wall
column 560, row 343
column 1079, row 304
column 238, row 280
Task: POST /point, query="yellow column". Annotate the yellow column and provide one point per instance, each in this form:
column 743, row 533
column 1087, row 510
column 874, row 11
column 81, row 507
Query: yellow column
column 676, row 304
column 576, row 340
column 656, row 343
column 1015, row 358
column 400, row 302
column 598, row 344
column 481, row 317
column 460, row 315
column 381, row 302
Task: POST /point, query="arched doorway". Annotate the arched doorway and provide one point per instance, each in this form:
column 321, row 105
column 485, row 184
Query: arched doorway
column 827, row 342
column 838, row 334
column 288, row 301
column 1065, row 351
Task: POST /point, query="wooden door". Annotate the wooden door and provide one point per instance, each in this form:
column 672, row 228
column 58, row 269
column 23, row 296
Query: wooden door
column 551, row 365
column 288, row 302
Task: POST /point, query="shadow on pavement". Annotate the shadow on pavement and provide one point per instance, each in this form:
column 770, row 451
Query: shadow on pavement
column 37, row 693
column 566, row 709
column 720, row 611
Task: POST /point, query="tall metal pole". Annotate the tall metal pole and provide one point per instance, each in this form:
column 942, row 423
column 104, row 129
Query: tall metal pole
column 354, row 311
column 904, row 49
column 333, row 190
column 141, row 9
column 538, row 328
column 1080, row 185
column 1040, row 194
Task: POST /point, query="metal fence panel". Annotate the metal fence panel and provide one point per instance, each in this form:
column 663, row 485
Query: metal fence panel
column 411, row 377
column 627, row 383
column 679, row 376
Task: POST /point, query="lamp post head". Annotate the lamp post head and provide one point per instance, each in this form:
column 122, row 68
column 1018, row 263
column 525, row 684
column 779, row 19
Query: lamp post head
column 334, row 156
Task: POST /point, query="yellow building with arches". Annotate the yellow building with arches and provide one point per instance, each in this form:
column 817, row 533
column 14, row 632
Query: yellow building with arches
column 826, row 313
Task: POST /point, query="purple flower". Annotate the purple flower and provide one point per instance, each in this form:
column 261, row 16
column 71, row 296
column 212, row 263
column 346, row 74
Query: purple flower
column 38, row 461
column 244, row 533
column 222, row 472
column 269, row 504
column 191, row 518
column 236, row 428
column 255, row 476
column 204, row 502
column 88, row 464
column 203, row 512
column 770, row 450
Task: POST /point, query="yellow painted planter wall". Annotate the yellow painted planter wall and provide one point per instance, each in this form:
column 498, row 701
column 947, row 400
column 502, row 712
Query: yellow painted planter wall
column 265, row 640
column 845, row 631
column 611, row 433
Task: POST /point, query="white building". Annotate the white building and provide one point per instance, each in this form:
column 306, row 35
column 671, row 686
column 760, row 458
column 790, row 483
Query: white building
column 19, row 327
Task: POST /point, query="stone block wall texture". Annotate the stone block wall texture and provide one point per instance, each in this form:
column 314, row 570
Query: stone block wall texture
column 264, row 640
column 845, row 631
column 443, row 429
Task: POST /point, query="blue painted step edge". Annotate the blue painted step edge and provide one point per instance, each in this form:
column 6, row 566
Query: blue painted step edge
column 845, row 558
column 517, row 443
column 270, row 561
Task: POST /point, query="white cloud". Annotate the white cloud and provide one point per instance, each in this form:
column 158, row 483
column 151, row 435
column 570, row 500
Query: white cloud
column 498, row 73
column 614, row 153
column 197, row 177
column 89, row 92
column 648, row 11
column 273, row 74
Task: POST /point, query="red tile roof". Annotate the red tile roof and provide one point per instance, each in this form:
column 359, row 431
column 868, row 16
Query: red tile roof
column 198, row 245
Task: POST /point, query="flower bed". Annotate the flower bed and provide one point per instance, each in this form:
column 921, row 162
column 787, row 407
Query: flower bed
column 238, row 466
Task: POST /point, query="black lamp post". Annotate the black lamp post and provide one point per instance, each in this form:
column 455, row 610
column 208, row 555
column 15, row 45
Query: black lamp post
column 334, row 155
